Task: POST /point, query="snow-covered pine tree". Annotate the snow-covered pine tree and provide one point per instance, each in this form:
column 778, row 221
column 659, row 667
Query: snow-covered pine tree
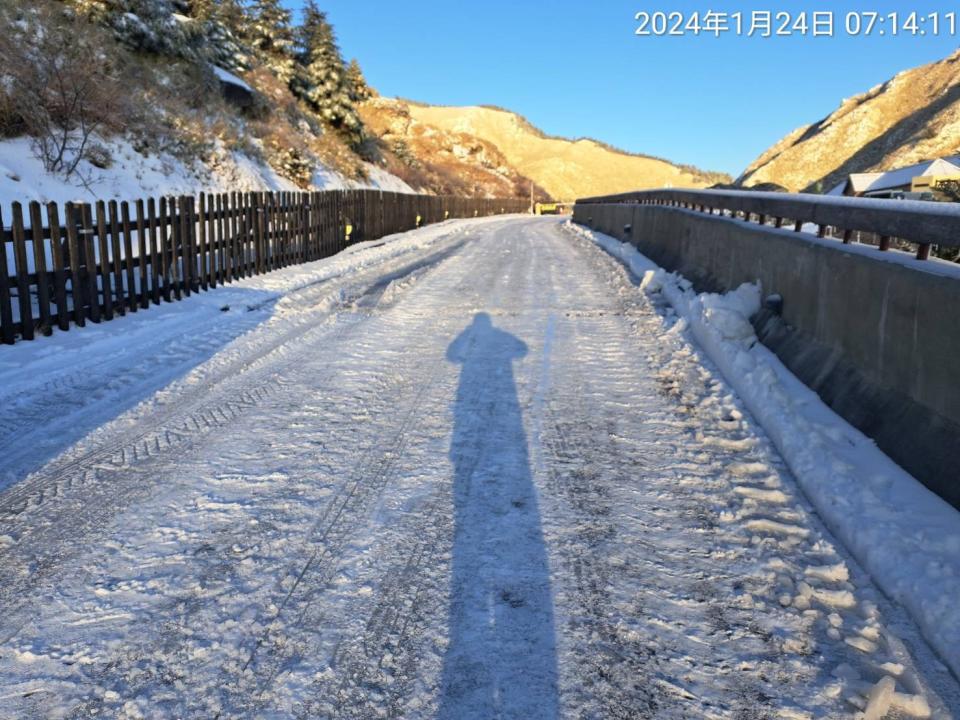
column 271, row 35
column 360, row 91
column 154, row 26
column 224, row 23
column 322, row 82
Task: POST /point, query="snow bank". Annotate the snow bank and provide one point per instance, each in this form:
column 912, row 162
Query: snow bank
column 380, row 178
column 377, row 179
column 906, row 537
column 132, row 175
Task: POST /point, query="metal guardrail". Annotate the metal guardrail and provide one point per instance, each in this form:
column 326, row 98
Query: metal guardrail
column 922, row 223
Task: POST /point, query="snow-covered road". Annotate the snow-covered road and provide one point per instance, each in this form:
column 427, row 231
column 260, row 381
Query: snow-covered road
column 471, row 472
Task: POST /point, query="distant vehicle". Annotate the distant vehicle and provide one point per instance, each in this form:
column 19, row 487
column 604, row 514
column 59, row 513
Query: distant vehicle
column 548, row 209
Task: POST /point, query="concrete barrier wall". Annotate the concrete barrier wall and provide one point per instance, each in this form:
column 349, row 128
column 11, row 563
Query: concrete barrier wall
column 877, row 338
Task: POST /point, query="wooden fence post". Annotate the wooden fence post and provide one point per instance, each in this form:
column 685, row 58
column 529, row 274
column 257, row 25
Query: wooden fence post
column 187, row 243
column 72, row 220
column 235, row 227
column 23, row 274
column 229, row 209
column 143, row 256
column 166, row 256
column 7, row 332
column 40, row 268
column 106, row 290
column 202, row 241
column 221, row 241
column 176, row 248
column 248, row 223
column 59, row 267
column 132, row 302
column 90, row 256
column 244, row 233
column 117, row 257
column 260, row 229
column 156, row 263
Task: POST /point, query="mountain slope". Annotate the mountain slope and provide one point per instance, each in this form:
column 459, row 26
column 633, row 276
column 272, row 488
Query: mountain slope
column 565, row 168
column 119, row 100
column 915, row 116
column 452, row 163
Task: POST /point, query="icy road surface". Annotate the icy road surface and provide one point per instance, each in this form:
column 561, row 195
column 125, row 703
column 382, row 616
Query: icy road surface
column 474, row 473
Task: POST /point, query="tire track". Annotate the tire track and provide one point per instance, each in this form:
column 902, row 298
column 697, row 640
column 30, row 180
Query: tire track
column 73, row 391
column 375, row 671
column 269, row 652
column 395, row 618
column 177, row 420
column 386, row 654
column 88, row 490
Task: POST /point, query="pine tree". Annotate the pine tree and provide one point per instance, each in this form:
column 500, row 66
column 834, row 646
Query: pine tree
column 323, row 82
column 360, row 91
column 271, row 35
column 202, row 10
column 222, row 23
column 226, row 23
column 153, row 26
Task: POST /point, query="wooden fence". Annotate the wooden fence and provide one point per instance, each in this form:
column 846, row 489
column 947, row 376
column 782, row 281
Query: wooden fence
column 85, row 262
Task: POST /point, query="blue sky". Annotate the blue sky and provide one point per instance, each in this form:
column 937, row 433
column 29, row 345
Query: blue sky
column 577, row 69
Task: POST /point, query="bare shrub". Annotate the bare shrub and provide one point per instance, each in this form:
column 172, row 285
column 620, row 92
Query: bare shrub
column 61, row 88
column 98, row 156
column 10, row 122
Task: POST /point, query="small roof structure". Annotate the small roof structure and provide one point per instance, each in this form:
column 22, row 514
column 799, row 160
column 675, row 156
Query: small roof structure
column 871, row 182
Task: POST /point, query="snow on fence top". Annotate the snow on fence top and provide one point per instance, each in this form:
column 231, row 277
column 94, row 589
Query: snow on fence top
column 923, row 223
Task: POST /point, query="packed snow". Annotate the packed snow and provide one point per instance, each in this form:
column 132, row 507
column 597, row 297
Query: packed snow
column 470, row 471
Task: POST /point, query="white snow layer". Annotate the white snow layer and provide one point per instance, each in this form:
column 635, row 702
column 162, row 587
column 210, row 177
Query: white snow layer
column 229, row 77
column 143, row 351
column 465, row 472
column 907, row 537
column 132, row 175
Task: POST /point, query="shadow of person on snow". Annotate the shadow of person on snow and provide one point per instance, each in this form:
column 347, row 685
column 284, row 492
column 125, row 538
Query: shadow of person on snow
column 501, row 659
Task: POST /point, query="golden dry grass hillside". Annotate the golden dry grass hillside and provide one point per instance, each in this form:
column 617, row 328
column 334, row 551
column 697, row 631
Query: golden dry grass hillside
column 913, row 117
column 566, row 169
column 449, row 163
